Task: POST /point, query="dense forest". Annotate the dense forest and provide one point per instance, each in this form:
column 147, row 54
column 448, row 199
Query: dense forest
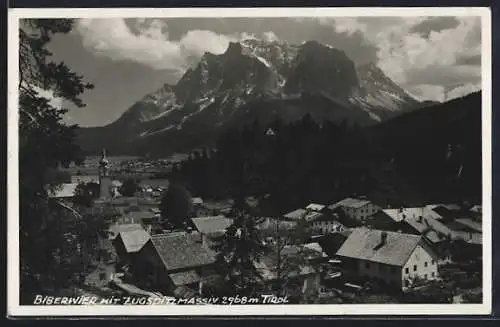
column 429, row 155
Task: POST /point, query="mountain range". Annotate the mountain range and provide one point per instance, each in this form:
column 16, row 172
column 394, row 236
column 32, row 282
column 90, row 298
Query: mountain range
column 252, row 79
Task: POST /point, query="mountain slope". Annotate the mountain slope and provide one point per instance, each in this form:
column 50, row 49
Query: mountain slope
column 252, row 79
column 438, row 148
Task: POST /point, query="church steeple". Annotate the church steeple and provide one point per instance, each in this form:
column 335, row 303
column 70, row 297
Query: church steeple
column 104, row 179
column 104, row 164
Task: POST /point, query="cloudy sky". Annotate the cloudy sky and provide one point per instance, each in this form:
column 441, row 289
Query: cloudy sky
column 433, row 58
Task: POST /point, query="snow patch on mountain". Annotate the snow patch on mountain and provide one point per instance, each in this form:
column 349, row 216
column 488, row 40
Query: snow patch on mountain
column 161, row 130
column 264, row 61
column 256, row 70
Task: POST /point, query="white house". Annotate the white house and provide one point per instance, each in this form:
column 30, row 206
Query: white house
column 395, row 259
column 327, row 224
column 211, row 227
column 358, row 209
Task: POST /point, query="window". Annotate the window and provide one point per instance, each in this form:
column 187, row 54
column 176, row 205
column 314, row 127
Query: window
column 425, row 276
column 433, row 261
column 367, row 265
column 425, row 264
column 415, row 268
column 406, row 270
column 432, row 274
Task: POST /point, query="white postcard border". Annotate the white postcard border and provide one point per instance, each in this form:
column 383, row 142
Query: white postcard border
column 13, row 307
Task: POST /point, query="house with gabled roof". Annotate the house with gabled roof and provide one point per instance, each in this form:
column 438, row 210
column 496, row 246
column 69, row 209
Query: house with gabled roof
column 354, row 208
column 131, row 241
column 211, row 227
column 128, row 240
column 177, row 260
column 395, row 259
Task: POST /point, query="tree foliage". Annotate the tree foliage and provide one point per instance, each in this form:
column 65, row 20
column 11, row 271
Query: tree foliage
column 84, row 195
column 45, row 144
column 129, row 187
column 176, row 205
column 238, row 250
column 288, row 252
column 304, row 160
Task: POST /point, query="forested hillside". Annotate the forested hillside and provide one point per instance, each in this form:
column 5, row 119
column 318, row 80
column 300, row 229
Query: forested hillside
column 432, row 155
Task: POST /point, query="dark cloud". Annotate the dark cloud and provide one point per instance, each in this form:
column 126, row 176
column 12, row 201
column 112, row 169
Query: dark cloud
column 435, row 24
column 472, row 60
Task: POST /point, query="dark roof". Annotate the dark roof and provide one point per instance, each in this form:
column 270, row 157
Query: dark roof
column 184, row 292
column 180, row 251
column 332, row 242
column 477, row 226
column 185, row 277
column 365, row 244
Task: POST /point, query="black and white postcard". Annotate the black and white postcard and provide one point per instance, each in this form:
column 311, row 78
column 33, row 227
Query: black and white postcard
column 305, row 161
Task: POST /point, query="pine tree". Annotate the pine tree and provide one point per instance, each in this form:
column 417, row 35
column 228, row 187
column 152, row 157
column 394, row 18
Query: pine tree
column 45, row 143
column 238, row 250
column 176, row 205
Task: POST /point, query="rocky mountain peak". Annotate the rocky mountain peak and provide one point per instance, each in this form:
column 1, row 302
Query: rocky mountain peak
column 256, row 79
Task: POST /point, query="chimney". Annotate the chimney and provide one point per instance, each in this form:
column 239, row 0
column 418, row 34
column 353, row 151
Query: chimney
column 383, row 238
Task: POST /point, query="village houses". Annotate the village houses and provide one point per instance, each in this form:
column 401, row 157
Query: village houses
column 395, row 259
column 211, row 227
column 175, row 261
column 357, row 209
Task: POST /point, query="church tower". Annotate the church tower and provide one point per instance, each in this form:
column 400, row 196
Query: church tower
column 104, row 178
